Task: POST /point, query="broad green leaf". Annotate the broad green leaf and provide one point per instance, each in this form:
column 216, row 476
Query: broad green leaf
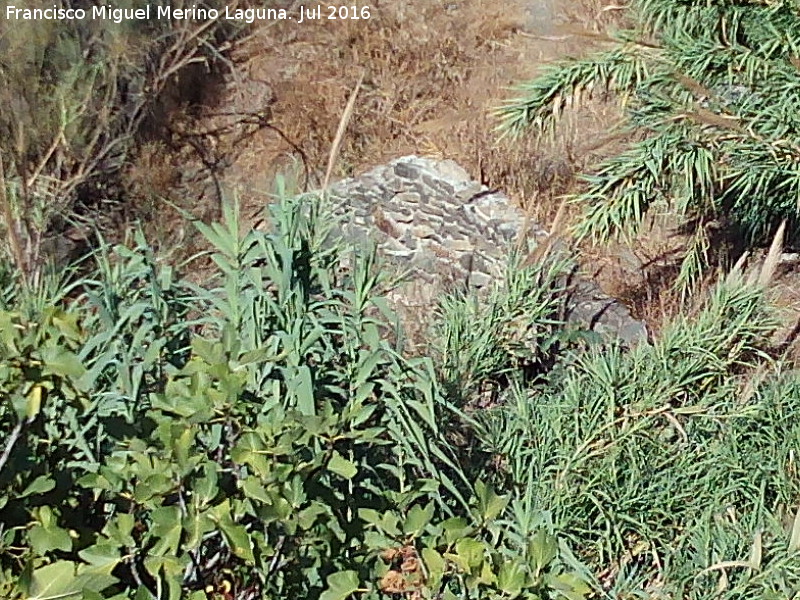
column 487, row 576
column 471, row 551
column 569, row 585
column 101, row 555
column 60, row 361
column 459, row 560
column 390, row 523
column 67, row 324
column 490, row 504
column 206, row 488
column 235, row 535
column 94, row 482
column 435, row 565
column 54, row 582
column 364, row 391
column 309, row 515
column 119, row 529
column 417, row 520
column 44, row 540
column 511, row 578
column 172, row 569
column 455, row 528
column 182, row 446
column 209, row 351
column 254, row 489
column 374, row 540
column 341, row 585
column 370, row 515
column 181, row 403
column 251, row 450
column 196, row 525
column 238, row 540
column 279, row 510
column 167, row 530
column 92, row 579
column 40, row 485
column 341, row 466
column 158, row 484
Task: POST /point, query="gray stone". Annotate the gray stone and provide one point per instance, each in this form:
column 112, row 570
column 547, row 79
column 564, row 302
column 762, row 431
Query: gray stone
column 447, row 229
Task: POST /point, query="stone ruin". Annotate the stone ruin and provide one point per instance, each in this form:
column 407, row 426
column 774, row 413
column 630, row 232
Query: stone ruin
column 430, row 217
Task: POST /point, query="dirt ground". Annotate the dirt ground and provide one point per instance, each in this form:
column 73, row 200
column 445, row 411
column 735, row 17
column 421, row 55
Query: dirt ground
column 432, row 71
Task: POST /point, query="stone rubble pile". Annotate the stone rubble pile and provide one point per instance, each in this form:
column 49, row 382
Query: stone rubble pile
column 447, row 229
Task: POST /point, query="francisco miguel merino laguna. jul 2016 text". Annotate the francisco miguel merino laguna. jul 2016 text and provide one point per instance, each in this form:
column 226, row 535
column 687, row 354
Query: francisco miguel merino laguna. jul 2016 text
column 117, row 15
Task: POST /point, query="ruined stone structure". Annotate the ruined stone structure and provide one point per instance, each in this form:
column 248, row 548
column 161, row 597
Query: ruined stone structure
column 447, row 229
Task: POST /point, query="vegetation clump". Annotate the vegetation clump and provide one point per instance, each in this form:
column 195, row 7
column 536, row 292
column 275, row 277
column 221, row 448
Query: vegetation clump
column 257, row 437
column 80, row 96
column 266, row 434
column 707, row 89
column 261, row 436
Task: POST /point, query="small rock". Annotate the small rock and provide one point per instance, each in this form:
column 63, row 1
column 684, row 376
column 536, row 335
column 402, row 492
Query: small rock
column 423, row 231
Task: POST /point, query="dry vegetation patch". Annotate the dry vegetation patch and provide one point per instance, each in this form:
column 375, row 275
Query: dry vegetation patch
column 433, row 71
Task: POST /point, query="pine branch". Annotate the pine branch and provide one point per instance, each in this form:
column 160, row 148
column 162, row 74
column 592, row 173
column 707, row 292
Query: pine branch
column 620, row 193
column 542, row 101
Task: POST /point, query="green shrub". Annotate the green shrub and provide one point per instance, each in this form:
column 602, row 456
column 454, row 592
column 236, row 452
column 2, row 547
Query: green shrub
column 671, row 467
column 521, row 331
column 707, row 89
column 256, row 437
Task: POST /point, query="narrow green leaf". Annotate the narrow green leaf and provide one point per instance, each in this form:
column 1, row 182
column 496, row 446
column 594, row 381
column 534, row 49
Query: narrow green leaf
column 794, row 540
column 543, row 549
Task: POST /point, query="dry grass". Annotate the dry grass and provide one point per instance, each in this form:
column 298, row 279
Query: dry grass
column 431, row 76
